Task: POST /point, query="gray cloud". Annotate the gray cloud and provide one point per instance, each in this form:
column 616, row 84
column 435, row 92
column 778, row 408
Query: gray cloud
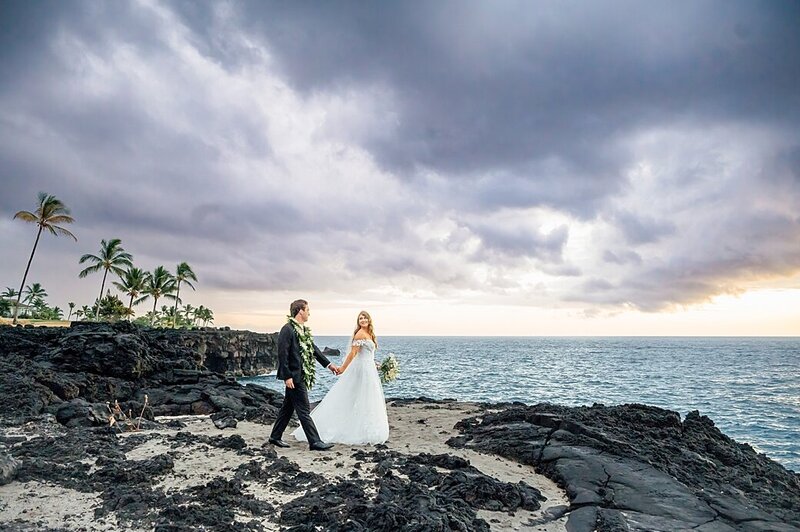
column 640, row 229
column 417, row 146
column 622, row 257
column 521, row 242
column 507, row 86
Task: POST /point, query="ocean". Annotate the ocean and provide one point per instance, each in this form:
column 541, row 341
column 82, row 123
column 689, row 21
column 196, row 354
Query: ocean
column 749, row 387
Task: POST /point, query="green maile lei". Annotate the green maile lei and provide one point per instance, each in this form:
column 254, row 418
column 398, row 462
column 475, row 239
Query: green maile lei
column 306, row 350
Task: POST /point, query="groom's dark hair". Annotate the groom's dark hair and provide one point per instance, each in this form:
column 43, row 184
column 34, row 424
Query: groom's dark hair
column 297, row 306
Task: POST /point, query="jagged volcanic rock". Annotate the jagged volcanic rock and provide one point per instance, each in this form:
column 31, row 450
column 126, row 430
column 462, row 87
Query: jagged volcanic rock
column 73, row 372
column 635, row 467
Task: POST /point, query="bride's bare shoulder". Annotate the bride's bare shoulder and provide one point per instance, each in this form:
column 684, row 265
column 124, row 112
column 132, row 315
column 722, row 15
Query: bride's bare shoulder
column 361, row 335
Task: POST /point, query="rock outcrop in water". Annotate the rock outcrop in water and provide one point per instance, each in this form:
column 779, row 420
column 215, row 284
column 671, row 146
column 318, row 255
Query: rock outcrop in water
column 635, row 467
column 235, row 353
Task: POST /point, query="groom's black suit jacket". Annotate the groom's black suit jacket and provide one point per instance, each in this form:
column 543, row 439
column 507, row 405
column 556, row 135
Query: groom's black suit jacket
column 290, row 358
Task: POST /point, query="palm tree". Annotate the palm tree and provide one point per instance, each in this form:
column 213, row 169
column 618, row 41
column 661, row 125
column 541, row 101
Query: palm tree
column 167, row 316
column 83, row 312
column 195, row 317
column 112, row 257
column 134, row 281
column 159, row 284
column 185, row 316
column 49, row 213
column 150, row 317
column 71, row 306
column 10, row 293
column 8, row 297
column 183, row 274
column 204, row 314
column 35, row 295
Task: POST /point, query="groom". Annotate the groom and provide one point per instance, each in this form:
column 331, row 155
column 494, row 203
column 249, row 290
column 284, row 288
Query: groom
column 296, row 369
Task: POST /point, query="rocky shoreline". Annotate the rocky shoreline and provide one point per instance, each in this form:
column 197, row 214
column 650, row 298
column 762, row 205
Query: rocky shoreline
column 72, row 372
column 641, row 467
column 199, row 460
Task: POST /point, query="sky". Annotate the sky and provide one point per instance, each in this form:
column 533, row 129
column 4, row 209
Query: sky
column 455, row 168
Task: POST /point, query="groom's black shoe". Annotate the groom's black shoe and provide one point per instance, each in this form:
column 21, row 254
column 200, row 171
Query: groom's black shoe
column 278, row 443
column 320, row 446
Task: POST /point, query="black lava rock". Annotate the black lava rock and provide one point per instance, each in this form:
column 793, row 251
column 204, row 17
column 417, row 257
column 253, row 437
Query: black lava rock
column 640, row 467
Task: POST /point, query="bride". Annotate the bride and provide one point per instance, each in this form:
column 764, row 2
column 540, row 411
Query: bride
column 354, row 409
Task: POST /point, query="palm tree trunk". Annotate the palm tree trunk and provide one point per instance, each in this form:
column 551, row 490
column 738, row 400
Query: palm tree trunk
column 102, row 286
column 24, row 277
column 177, row 298
column 130, row 308
column 153, row 315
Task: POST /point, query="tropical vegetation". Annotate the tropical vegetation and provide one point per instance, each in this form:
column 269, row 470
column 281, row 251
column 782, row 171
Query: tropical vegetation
column 183, row 318
column 159, row 284
column 32, row 306
column 112, row 258
column 134, row 284
column 183, row 274
column 110, row 308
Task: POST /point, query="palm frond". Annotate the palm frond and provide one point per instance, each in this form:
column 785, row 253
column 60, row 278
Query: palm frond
column 91, row 257
column 61, row 219
column 117, row 270
column 184, row 271
column 52, row 206
column 64, row 232
column 26, row 216
column 90, row 269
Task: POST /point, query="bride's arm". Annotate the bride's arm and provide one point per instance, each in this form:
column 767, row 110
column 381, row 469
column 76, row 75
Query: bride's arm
column 350, row 356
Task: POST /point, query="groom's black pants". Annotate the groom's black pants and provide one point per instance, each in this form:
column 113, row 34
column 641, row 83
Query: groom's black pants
column 296, row 400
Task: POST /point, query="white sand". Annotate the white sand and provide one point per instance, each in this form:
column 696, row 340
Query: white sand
column 41, row 505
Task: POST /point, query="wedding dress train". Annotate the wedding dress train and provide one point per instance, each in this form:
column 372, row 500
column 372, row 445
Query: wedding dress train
column 354, row 409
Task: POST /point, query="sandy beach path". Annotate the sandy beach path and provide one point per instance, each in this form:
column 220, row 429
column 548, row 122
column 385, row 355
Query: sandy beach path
column 415, row 427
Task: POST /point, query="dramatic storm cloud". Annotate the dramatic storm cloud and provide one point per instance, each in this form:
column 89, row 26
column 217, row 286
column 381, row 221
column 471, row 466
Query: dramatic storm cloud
column 610, row 155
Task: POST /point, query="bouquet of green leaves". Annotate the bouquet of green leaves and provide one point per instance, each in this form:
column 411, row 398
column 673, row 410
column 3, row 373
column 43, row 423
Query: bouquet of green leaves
column 389, row 369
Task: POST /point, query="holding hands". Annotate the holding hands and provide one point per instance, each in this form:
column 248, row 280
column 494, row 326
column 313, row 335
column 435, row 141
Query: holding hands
column 336, row 370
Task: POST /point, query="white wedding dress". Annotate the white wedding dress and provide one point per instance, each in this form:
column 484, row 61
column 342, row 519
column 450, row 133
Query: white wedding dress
column 354, row 409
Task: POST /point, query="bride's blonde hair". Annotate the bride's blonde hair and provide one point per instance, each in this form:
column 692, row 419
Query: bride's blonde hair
column 370, row 329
